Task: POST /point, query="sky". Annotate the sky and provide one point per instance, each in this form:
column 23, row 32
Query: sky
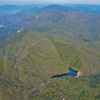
column 3, row 2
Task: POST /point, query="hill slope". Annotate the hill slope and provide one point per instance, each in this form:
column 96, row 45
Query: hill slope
column 29, row 59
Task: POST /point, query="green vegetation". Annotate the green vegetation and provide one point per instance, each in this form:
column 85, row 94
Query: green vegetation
column 68, row 54
column 30, row 58
column 1, row 66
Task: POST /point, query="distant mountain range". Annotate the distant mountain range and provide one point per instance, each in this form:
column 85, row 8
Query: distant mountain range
column 77, row 18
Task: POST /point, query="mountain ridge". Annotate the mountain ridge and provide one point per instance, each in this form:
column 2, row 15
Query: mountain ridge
column 59, row 18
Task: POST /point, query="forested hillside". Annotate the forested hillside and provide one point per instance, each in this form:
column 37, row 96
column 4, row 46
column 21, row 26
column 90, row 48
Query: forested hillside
column 47, row 42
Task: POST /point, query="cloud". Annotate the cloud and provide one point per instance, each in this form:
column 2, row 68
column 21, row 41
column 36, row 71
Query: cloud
column 51, row 1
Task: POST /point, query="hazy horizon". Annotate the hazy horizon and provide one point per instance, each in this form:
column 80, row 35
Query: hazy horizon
column 31, row 2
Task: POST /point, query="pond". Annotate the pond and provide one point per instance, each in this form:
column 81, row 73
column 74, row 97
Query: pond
column 71, row 72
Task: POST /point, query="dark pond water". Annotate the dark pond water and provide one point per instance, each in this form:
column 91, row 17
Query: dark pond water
column 71, row 72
